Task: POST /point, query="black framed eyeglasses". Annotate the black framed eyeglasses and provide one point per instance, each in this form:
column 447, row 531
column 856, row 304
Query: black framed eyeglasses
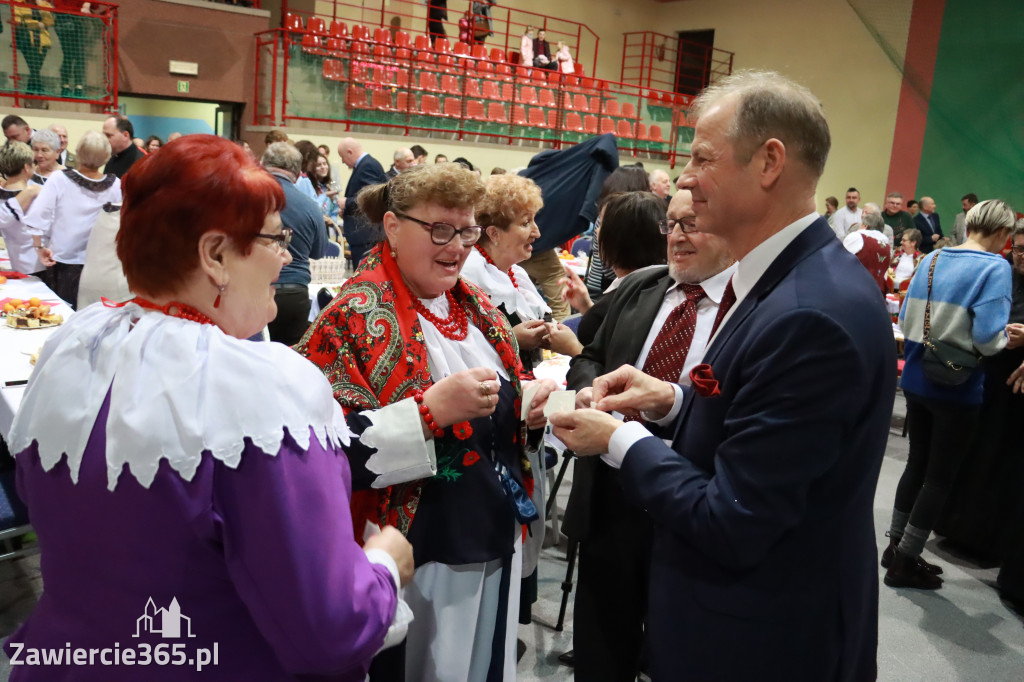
column 1018, row 249
column 442, row 233
column 687, row 225
column 282, row 240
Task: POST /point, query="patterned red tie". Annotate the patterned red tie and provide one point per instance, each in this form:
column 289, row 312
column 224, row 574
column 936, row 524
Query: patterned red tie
column 728, row 298
column 668, row 352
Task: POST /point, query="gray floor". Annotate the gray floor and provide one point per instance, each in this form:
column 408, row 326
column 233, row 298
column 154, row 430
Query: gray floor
column 961, row 632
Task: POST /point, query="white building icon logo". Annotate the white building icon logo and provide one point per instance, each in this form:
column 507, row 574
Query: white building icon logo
column 165, row 622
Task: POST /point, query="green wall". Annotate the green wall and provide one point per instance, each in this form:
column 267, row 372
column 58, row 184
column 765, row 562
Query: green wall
column 974, row 139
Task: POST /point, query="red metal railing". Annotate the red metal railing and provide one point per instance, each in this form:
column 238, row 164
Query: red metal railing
column 407, row 86
column 87, row 69
column 507, row 25
column 653, row 60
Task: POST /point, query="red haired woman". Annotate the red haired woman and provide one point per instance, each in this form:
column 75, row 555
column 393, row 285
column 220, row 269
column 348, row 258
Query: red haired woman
column 214, row 466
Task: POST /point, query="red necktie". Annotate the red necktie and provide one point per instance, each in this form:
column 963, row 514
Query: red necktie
column 668, row 352
column 728, row 298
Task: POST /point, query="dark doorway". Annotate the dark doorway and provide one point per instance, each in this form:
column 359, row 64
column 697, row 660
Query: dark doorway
column 694, row 60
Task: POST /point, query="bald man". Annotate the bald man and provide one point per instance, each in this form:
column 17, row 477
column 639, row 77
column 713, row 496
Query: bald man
column 661, row 184
column 366, row 170
column 927, row 220
column 65, row 157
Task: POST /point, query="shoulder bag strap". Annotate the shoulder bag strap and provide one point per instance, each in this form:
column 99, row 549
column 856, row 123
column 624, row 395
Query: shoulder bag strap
column 928, row 305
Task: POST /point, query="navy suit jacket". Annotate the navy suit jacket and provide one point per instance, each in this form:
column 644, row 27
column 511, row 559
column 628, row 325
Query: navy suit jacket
column 921, row 223
column 764, row 559
column 357, row 229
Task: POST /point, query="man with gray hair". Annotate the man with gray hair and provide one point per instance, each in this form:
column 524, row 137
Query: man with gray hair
column 65, row 158
column 763, row 560
column 403, row 160
column 660, row 183
column 927, row 220
column 302, row 216
column 898, row 219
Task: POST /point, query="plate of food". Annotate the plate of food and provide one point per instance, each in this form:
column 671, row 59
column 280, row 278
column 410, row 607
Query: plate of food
column 30, row 314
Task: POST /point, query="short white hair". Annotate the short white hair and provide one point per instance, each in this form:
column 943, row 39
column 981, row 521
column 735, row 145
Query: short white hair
column 93, row 150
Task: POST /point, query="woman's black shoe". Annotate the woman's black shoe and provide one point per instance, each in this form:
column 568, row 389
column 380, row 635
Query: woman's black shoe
column 905, row 571
column 890, row 551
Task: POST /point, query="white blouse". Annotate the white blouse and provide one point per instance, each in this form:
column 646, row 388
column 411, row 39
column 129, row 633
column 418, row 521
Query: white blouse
column 522, row 300
column 65, row 212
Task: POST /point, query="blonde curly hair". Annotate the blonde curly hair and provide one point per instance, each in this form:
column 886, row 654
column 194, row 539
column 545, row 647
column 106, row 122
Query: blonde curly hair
column 508, row 197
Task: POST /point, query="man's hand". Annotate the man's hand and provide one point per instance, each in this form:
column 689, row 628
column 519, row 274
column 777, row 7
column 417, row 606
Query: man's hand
column 563, row 340
column 630, row 391
column 584, row 398
column 535, row 418
column 585, row 432
column 1016, row 379
column 46, row 256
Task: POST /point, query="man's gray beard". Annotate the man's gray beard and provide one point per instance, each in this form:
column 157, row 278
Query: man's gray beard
column 695, row 275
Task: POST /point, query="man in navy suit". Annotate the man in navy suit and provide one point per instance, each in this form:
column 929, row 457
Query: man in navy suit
column 927, row 220
column 764, row 563
column 366, row 170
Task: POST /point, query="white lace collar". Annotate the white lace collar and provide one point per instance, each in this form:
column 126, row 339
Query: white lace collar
column 523, row 300
column 177, row 389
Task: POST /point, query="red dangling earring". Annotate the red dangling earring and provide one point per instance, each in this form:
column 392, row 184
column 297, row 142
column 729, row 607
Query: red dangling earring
column 220, row 290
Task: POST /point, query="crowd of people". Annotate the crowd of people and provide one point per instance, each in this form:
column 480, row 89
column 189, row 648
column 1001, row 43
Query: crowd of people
column 363, row 498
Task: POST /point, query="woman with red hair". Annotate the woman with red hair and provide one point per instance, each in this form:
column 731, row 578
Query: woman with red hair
column 213, row 468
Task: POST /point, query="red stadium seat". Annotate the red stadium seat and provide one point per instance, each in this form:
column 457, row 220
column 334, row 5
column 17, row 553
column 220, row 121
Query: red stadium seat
column 450, row 85
column 316, row 26
column 528, row 95
column 535, row 117
column 496, row 112
column 421, row 42
column 552, row 118
column 623, row 129
column 486, row 69
column 654, row 134
column 641, row 131
column 491, row 90
column 507, row 92
column 573, row 122
column 293, row 22
column 336, row 44
column 478, row 52
column 428, row 81
column 518, row 114
column 356, row 98
column 453, row 107
column 402, row 39
column 473, row 88
column 547, row 98
column 581, row 104
column 590, row 125
column 311, row 43
column 430, row 105
column 475, row 110
column 381, row 99
column 339, row 29
column 611, row 107
column 607, row 126
column 442, row 46
column 359, row 32
column 334, row 70
column 628, row 110
column 497, row 54
column 504, row 72
column 403, row 101
column 382, row 35
column 460, row 49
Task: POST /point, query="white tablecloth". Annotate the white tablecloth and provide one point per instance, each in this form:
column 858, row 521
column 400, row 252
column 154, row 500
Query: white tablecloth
column 16, row 345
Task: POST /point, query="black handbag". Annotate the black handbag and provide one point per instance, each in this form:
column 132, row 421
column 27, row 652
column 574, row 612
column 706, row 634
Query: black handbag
column 943, row 363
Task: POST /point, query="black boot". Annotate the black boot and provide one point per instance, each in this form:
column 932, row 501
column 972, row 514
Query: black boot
column 905, row 571
column 890, row 551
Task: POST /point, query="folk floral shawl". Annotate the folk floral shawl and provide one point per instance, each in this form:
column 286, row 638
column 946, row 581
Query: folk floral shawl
column 370, row 345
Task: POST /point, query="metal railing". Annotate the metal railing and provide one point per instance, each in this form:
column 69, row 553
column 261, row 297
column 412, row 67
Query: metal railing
column 653, row 60
column 64, row 55
column 500, row 27
column 406, row 86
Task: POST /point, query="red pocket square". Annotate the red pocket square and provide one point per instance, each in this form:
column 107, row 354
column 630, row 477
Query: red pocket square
column 704, row 382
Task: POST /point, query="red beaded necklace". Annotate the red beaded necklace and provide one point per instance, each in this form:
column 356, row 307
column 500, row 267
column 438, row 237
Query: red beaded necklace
column 454, row 327
column 173, row 309
column 491, row 261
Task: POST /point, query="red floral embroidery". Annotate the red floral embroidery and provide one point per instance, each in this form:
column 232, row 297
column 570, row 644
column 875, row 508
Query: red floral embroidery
column 704, row 382
column 470, row 458
column 462, row 430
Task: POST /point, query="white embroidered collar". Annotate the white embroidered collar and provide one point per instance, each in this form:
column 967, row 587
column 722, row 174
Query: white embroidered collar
column 523, row 300
column 177, row 389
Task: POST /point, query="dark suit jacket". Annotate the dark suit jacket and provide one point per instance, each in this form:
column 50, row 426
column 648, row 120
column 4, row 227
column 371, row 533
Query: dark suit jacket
column 356, row 228
column 764, row 563
column 921, row 223
column 619, row 340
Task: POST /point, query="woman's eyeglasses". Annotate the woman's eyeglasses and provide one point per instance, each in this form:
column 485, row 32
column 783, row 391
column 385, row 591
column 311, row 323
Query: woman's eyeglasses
column 442, row 233
column 687, row 225
column 281, row 240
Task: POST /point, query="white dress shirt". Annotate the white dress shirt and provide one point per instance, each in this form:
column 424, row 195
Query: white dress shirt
column 843, row 219
column 748, row 271
column 65, row 212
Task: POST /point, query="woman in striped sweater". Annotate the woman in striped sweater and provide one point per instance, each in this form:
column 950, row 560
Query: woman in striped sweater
column 970, row 306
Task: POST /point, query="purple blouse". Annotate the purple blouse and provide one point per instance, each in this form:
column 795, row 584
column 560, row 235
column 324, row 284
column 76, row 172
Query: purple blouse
column 259, row 560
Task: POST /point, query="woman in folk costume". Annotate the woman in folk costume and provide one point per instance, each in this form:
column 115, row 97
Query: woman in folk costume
column 429, row 374
column 169, row 465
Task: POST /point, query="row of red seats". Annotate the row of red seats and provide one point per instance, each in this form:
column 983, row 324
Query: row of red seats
column 496, row 112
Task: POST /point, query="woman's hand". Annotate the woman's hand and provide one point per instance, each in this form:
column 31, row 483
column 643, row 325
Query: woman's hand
column 530, row 334
column 562, row 340
column 462, row 396
column 535, row 418
column 1015, row 332
column 391, row 541
column 574, row 291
